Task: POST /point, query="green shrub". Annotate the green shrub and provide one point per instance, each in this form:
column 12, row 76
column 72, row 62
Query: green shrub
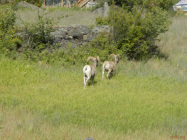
column 36, row 37
column 102, row 21
column 38, row 33
column 100, row 47
column 7, row 30
column 135, row 32
column 149, row 4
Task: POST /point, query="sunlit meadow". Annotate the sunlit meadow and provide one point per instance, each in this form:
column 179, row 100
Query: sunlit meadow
column 143, row 100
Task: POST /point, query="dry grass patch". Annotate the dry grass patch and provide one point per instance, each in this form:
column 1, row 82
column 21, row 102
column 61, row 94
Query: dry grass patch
column 62, row 17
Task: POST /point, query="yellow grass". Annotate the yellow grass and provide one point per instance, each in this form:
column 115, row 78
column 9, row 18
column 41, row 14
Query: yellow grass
column 61, row 17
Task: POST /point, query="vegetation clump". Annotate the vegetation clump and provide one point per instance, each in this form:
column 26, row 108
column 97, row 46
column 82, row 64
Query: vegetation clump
column 136, row 32
column 8, row 42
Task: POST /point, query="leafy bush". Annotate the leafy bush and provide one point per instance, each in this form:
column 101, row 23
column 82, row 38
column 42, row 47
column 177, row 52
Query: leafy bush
column 163, row 4
column 36, row 37
column 8, row 42
column 102, row 21
column 99, row 47
column 135, row 32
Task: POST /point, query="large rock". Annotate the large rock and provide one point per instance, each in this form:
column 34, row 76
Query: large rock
column 59, row 2
column 102, row 11
column 106, row 9
column 99, row 29
column 99, row 11
column 77, row 35
column 74, row 36
column 24, row 4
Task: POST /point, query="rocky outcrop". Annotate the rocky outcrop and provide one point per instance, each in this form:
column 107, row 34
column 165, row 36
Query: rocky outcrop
column 24, row 4
column 102, row 11
column 73, row 36
column 77, row 35
column 106, row 9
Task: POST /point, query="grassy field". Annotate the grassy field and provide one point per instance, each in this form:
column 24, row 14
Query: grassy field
column 61, row 17
column 143, row 101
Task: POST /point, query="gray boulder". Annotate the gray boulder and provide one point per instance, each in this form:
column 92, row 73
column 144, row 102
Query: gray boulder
column 106, row 10
column 24, row 4
column 102, row 11
column 99, row 11
column 99, row 29
column 77, row 35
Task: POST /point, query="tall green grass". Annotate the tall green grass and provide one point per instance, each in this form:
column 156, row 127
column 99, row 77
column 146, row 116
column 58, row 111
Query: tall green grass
column 143, row 100
column 122, row 105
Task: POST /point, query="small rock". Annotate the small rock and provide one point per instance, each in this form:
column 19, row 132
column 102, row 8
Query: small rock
column 85, row 37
